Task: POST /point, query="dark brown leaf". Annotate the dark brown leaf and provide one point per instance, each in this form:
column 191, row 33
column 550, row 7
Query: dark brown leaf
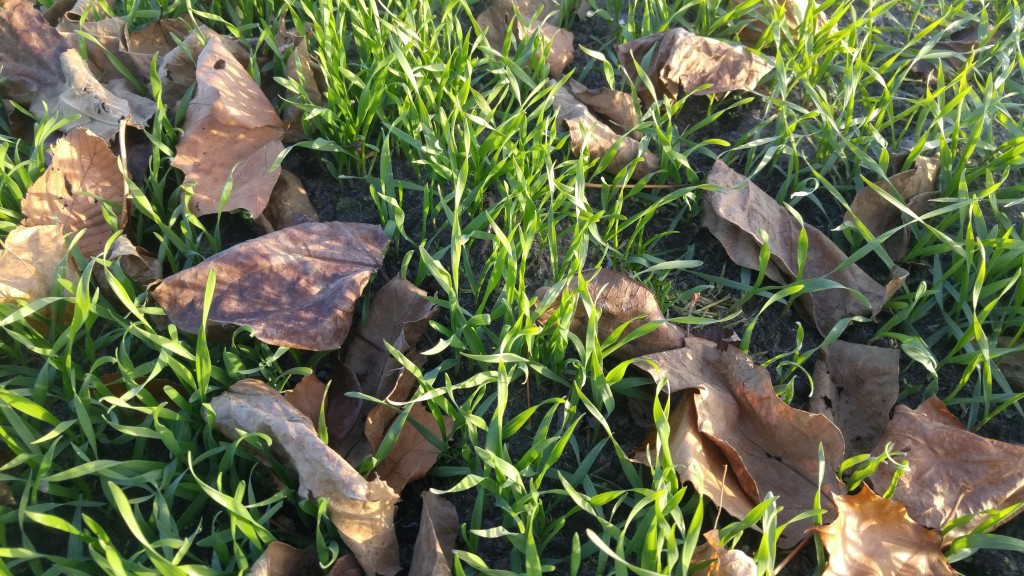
column 280, row 559
column 30, row 50
column 308, row 397
column 289, row 205
column 439, row 525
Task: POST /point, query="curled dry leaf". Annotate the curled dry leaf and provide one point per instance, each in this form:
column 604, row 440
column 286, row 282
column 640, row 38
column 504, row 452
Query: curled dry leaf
column 620, row 300
column 613, row 107
column 362, row 510
column 81, row 178
column 916, row 187
column 768, row 445
column 100, row 108
column 156, row 38
column 724, row 562
column 289, row 205
column 296, row 287
column 106, row 32
column 1011, row 364
column 280, row 559
column 301, row 68
column 738, row 211
column 875, row 536
column 308, row 397
column 140, row 265
column 30, row 262
column 439, row 525
column 347, row 565
column 413, row 454
column 953, row 472
column 177, row 67
column 231, row 135
column 587, row 132
column 529, row 16
column 796, row 13
column 30, row 50
column 856, row 386
column 683, row 62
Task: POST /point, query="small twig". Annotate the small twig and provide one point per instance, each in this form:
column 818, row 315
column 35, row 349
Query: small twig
column 792, row 554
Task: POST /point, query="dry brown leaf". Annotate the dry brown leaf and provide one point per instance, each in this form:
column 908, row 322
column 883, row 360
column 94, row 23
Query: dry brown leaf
column 30, row 262
column 362, row 510
column 308, row 397
column 347, row 565
column 770, row 446
column 156, row 38
column 683, row 62
column 856, row 387
column 81, row 178
column 296, row 287
column 613, row 107
column 412, row 455
column 289, row 205
column 587, row 132
column 953, row 472
column 622, row 299
column 177, row 68
column 231, row 133
column 961, row 43
column 495, row 20
column 138, row 263
column 439, row 525
column 400, row 315
column 346, row 416
column 304, row 70
column 724, row 562
column 280, row 559
column 1011, row 364
column 796, row 13
column 106, row 32
column 916, row 187
column 736, row 212
column 30, row 67
column 875, row 536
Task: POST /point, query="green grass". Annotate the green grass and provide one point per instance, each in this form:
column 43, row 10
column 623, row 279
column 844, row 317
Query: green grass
column 484, row 202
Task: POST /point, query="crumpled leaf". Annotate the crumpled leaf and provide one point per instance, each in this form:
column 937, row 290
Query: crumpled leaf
column 739, row 209
column 30, row 50
column 916, row 187
column 231, row 133
column 1012, row 363
column 611, row 106
column 400, row 315
column 439, row 525
column 98, row 37
column 769, row 445
column 495, row 20
column 177, row 68
column 724, row 562
column 875, row 536
column 81, row 178
column 856, row 386
column 157, row 38
column 413, row 454
column 296, row 287
column 363, row 511
column 289, row 205
column 953, row 472
column 620, row 300
column 796, row 13
column 305, row 71
column 683, row 62
column 280, row 559
column 346, row 566
column 138, row 263
column 30, row 262
column 587, row 132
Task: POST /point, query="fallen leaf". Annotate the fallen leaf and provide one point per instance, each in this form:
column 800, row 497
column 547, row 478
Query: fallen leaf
column 412, row 454
column 957, row 49
column 620, row 300
column 280, row 559
column 231, row 134
column 301, row 68
column 308, row 397
column 141, row 266
column 586, row 132
column 724, row 562
column 156, row 38
column 738, row 210
column 399, row 316
column 296, row 287
column 347, row 565
column 362, row 510
column 346, row 416
column 611, row 106
column 495, row 20
column 875, row 536
column 769, row 445
column 683, row 62
column 98, row 38
column 953, row 472
column 81, row 178
column 177, row 68
column 439, row 525
column 1011, row 364
column 856, row 386
column 30, row 262
column 916, row 187
column 30, row 50
column 289, row 205
column 796, row 13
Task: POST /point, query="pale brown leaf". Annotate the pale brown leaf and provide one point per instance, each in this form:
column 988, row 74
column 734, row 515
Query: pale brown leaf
column 796, row 13
column 280, row 559
column 613, row 107
column 916, row 187
column 439, row 525
column 953, row 472
column 412, row 455
column 724, row 562
column 30, row 262
column 81, row 178
column 738, row 209
column 586, row 132
column 308, row 397
column 620, row 300
column 137, row 263
column 289, row 205
column 231, row 133
column 495, row 20
column 875, row 536
column 684, row 62
column 107, row 33
column 856, row 386
column 177, row 67
column 770, row 446
column 303, row 69
column 156, row 38
column 30, row 50
column 296, row 287
column 362, row 510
